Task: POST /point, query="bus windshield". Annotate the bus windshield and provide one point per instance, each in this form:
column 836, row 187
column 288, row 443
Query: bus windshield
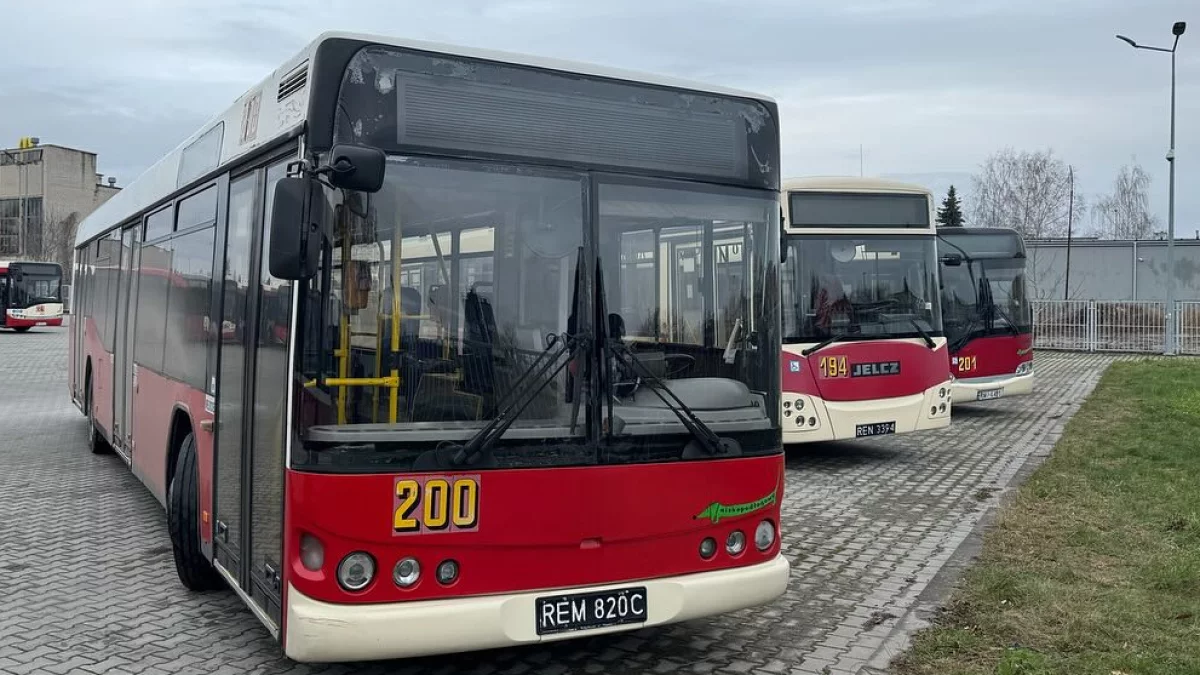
column 985, row 297
column 462, row 279
column 860, row 286
column 32, row 283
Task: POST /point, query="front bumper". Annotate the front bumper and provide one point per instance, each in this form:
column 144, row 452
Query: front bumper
column 838, row 420
column 321, row 632
column 967, row 390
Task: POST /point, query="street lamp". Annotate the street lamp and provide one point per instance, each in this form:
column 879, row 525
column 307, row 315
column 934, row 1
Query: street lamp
column 1169, row 338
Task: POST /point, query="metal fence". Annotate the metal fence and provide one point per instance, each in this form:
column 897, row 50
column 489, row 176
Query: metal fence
column 1103, row 326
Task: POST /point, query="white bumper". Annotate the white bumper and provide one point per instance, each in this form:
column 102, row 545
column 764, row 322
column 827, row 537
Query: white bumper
column 839, row 420
column 967, row 391
column 320, row 632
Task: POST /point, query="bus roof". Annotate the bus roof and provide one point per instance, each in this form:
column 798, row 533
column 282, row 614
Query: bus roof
column 978, row 230
column 233, row 133
column 851, row 184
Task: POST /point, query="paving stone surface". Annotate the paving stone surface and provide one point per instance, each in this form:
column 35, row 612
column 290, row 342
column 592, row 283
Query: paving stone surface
column 87, row 584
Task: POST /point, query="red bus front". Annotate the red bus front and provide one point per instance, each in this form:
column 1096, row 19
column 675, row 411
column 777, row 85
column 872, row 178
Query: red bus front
column 863, row 351
column 30, row 295
column 987, row 313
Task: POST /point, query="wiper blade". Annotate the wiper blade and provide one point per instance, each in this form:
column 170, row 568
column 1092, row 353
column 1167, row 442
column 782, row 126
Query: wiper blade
column 823, row 344
column 924, row 336
column 486, row 437
column 708, row 440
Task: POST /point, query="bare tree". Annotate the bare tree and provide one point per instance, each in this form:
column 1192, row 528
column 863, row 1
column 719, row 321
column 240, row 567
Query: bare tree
column 1125, row 213
column 1030, row 192
column 57, row 240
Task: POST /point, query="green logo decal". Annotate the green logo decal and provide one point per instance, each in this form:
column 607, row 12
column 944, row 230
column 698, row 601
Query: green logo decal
column 1023, row 352
column 716, row 510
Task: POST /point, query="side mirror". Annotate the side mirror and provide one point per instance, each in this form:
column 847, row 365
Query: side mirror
column 356, row 167
column 783, row 247
column 295, row 230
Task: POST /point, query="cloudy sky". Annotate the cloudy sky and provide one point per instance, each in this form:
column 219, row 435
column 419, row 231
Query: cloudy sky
column 927, row 88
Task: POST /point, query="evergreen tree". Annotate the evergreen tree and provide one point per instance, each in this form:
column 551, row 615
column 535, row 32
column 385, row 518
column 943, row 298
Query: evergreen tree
column 950, row 213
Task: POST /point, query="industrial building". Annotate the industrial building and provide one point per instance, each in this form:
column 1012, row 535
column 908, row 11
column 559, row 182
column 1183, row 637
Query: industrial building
column 45, row 191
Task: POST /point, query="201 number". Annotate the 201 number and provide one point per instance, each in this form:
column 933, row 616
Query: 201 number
column 439, row 503
column 967, row 363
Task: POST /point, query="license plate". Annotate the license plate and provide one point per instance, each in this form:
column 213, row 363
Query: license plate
column 41, row 323
column 876, row 429
column 988, row 394
column 581, row 611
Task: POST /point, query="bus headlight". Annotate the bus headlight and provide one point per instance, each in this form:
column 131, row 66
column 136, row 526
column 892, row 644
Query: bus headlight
column 447, row 572
column 406, row 572
column 356, row 571
column 735, row 543
column 708, row 548
column 764, row 535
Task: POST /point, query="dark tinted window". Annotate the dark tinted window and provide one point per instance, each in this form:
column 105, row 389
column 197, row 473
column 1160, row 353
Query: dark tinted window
column 199, row 209
column 158, row 225
column 846, row 209
column 189, row 298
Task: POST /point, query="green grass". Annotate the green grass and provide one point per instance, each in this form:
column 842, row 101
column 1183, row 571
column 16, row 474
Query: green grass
column 1095, row 566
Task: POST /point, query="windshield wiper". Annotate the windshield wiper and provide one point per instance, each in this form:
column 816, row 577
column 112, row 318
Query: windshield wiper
column 486, row 437
column 706, row 437
column 824, row 343
column 924, row 336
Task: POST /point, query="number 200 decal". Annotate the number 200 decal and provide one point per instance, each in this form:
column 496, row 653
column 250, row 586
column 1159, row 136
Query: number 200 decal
column 435, row 504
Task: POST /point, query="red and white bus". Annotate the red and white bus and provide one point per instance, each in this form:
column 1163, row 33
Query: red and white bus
column 987, row 313
column 488, row 349
column 30, row 295
column 863, row 348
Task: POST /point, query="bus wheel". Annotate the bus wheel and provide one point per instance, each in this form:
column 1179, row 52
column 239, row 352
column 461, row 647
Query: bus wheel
column 183, row 522
column 21, row 329
column 95, row 439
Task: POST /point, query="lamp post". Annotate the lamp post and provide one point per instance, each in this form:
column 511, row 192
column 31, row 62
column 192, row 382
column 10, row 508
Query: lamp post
column 1169, row 338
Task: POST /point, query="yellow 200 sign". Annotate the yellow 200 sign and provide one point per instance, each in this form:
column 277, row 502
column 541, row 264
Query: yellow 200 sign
column 435, row 504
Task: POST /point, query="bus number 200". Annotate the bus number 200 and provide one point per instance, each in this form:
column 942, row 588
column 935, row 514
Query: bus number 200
column 435, row 504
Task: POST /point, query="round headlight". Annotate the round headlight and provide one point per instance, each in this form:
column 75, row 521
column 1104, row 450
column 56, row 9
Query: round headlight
column 447, row 572
column 735, row 543
column 764, row 535
column 356, row 571
column 312, row 553
column 708, row 548
column 933, row 410
column 406, row 572
column 787, row 413
column 942, row 392
column 812, row 421
column 799, row 404
column 942, row 407
column 787, row 404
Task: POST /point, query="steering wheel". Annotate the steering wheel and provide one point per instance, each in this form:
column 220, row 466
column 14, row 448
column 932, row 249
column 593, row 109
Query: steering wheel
column 688, row 362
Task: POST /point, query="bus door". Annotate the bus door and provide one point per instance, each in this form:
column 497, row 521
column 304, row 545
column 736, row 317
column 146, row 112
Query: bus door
column 251, row 386
column 123, row 375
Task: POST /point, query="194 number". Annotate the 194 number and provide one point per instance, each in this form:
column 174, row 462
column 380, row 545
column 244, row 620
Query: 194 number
column 834, row 366
column 436, row 504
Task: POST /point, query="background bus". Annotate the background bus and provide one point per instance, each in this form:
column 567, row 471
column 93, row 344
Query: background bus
column 987, row 313
column 507, row 373
column 30, row 295
column 863, row 348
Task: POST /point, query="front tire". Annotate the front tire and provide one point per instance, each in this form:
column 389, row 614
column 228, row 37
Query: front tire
column 183, row 522
column 21, row 329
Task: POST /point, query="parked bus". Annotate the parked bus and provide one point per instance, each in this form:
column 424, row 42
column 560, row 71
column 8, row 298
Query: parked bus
column 863, row 348
column 490, row 350
column 30, row 295
column 987, row 313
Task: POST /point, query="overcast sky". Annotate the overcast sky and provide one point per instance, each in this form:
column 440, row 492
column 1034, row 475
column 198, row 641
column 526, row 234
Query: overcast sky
column 928, row 88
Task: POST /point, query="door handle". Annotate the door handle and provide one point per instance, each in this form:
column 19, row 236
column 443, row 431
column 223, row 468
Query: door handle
column 206, row 425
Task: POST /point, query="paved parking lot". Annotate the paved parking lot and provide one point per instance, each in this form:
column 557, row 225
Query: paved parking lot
column 87, row 584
